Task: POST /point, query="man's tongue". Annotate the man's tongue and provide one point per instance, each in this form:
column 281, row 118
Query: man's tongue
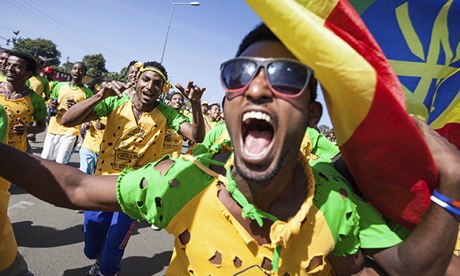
column 257, row 141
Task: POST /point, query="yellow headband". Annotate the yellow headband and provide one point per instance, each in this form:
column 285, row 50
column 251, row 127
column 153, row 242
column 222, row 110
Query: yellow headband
column 139, row 64
column 166, row 86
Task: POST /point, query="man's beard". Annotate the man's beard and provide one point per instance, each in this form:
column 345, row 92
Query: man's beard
column 261, row 180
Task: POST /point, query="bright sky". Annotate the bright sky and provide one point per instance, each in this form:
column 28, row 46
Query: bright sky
column 200, row 37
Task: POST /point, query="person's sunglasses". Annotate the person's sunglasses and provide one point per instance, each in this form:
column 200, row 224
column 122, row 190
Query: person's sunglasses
column 287, row 78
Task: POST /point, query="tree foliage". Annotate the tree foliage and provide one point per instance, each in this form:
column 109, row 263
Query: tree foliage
column 39, row 47
column 110, row 76
column 95, row 65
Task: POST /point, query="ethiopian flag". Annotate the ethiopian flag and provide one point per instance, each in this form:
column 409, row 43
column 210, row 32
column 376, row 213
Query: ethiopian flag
column 379, row 142
column 421, row 39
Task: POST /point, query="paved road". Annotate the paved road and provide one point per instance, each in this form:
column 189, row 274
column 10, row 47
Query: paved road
column 51, row 238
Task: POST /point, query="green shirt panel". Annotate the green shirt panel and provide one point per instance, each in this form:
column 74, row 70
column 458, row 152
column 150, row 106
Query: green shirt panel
column 173, row 117
column 162, row 196
column 55, row 93
column 39, row 105
column 353, row 222
column 3, row 125
column 321, row 146
column 45, row 83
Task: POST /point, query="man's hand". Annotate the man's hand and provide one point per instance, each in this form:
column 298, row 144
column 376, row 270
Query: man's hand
column 193, row 92
column 113, row 88
column 20, row 128
column 446, row 158
column 70, row 102
column 100, row 125
column 52, row 104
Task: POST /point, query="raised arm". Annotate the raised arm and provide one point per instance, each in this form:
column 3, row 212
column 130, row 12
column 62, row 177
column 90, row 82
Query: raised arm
column 61, row 185
column 84, row 111
column 429, row 248
column 194, row 131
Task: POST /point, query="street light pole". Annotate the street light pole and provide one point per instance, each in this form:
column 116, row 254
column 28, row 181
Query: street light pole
column 169, row 22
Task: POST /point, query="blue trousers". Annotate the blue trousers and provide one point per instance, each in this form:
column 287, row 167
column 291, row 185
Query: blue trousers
column 106, row 236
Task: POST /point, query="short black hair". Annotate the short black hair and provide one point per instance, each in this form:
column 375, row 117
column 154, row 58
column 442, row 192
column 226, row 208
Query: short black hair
column 262, row 33
column 132, row 63
column 6, row 51
column 157, row 65
column 82, row 63
column 178, row 93
column 31, row 62
column 213, row 104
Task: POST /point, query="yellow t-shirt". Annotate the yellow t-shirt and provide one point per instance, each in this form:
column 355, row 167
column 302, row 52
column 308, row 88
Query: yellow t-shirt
column 172, row 144
column 27, row 109
column 127, row 144
column 8, row 246
column 63, row 91
column 93, row 137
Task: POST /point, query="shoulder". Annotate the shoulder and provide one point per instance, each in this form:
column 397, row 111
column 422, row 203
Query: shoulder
column 172, row 183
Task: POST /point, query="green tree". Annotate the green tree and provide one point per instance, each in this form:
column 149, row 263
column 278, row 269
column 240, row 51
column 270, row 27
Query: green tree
column 95, row 64
column 39, row 47
column 110, row 76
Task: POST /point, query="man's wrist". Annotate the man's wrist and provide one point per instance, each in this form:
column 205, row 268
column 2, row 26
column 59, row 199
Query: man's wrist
column 447, row 204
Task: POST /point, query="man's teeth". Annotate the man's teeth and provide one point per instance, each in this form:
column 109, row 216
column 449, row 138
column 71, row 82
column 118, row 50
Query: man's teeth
column 256, row 115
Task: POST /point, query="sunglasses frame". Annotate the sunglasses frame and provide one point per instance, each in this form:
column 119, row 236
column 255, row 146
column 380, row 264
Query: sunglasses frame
column 264, row 62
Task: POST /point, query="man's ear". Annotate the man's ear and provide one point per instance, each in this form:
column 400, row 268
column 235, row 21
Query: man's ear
column 314, row 113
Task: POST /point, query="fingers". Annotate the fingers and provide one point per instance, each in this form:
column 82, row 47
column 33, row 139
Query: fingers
column 193, row 92
column 179, row 87
column 114, row 88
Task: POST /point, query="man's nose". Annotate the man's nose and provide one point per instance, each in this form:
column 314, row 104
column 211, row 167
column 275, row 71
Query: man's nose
column 259, row 89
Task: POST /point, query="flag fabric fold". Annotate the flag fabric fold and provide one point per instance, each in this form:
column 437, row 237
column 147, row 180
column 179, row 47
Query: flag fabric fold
column 421, row 40
column 381, row 145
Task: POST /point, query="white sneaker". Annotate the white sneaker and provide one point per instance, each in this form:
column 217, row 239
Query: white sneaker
column 94, row 269
column 154, row 227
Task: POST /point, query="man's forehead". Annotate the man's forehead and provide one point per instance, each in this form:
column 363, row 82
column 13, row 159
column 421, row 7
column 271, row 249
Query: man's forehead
column 152, row 74
column 16, row 59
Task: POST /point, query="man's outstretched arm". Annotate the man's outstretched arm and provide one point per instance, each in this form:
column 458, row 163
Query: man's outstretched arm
column 429, row 248
column 58, row 184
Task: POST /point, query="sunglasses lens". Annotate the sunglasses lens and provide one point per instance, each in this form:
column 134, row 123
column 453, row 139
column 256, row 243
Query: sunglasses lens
column 237, row 73
column 287, row 77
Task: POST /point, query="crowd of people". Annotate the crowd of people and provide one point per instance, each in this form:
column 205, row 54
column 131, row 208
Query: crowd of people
column 261, row 181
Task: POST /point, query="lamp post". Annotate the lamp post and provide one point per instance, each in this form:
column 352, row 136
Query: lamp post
column 169, row 22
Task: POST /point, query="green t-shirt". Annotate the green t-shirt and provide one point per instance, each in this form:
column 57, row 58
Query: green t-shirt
column 3, row 124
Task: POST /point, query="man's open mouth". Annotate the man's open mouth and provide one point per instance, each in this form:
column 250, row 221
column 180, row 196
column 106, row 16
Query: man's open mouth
column 146, row 96
column 257, row 134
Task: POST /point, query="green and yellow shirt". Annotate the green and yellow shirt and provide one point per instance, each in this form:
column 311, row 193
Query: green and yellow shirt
column 93, row 136
column 130, row 144
column 27, row 110
column 64, row 91
column 8, row 246
column 184, row 201
column 39, row 85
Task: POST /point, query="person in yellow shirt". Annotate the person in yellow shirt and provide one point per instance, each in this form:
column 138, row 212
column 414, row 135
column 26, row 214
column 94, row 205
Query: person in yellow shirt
column 265, row 211
column 26, row 110
column 173, row 141
column 213, row 118
column 60, row 140
column 4, row 54
column 134, row 135
column 38, row 83
column 11, row 261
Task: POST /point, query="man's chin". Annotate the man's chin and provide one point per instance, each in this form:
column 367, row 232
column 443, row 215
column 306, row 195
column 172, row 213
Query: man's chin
column 256, row 174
